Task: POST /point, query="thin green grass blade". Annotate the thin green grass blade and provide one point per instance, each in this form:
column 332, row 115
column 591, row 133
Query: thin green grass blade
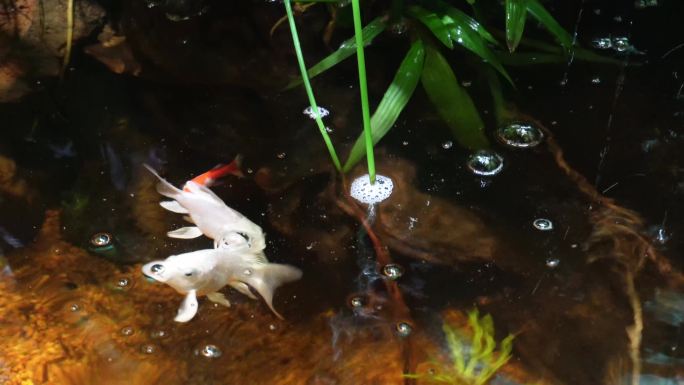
column 464, row 35
column 464, row 18
column 393, row 102
column 540, row 13
column 452, row 101
column 434, row 24
column 307, row 86
column 516, row 14
column 363, row 88
column 347, row 48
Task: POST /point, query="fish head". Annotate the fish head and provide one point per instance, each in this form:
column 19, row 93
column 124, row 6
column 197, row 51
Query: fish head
column 183, row 274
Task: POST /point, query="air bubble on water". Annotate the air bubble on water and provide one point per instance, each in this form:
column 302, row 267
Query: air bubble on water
column 211, row 351
column 602, row 43
column 520, row 135
column 309, row 111
column 542, row 224
column 74, row 307
column 596, row 80
column 363, row 191
column 641, row 4
column 393, row 271
column 485, row 163
column 404, row 329
column 447, row 145
column 281, row 155
column 552, row 262
column 356, row 302
column 122, row 282
column 621, row 44
column 101, row 239
column 148, row 349
column 466, row 83
column 399, row 28
column 159, row 333
column 127, row 331
column 405, row 143
column 329, row 130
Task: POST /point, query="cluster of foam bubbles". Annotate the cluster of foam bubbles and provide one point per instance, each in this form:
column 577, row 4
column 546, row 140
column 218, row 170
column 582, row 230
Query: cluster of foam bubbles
column 485, row 163
column 520, row 135
column 363, row 191
column 618, row 44
column 322, row 112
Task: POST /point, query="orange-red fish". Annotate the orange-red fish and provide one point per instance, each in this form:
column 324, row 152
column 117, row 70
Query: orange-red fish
column 208, row 178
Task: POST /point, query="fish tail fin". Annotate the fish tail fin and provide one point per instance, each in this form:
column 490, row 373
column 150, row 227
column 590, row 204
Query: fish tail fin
column 232, row 168
column 163, row 187
column 268, row 277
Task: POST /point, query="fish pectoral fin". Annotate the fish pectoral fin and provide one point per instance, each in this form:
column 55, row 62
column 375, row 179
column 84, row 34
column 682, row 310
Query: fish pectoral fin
column 218, row 298
column 187, row 232
column 188, row 219
column 243, row 288
column 188, row 307
column 173, row 206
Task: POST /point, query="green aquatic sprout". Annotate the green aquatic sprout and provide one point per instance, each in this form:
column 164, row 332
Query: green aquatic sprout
column 474, row 359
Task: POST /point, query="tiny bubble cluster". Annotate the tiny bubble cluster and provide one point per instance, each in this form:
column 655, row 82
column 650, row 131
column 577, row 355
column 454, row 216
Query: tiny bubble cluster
column 363, row 191
column 322, row 112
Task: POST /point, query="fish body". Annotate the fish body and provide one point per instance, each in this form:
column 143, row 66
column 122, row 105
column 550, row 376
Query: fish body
column 209, row 178
column 211, row 216
column 205, row 272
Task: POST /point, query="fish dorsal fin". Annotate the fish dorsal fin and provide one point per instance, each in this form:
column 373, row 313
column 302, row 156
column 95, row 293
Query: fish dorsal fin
column 188, row 232
column 163, row 187
column 173, row 206
column 188, row 307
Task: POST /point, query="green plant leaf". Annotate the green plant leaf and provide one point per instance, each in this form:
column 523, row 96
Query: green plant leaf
column 464, row 18
column 516, row 14
column 452, row 101
column 540, row 13
column 433, row 22
column 471, row 40
column 347, row 48
column 393, row 102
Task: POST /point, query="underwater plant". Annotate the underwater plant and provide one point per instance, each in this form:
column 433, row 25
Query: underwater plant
column 475, row 357
column 432, row 27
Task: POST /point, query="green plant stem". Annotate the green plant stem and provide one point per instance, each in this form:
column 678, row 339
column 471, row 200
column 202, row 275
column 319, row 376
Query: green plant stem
column 365, row 109
column 307, row 86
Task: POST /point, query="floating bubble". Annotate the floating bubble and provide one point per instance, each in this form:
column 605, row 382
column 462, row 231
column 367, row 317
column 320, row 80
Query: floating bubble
column 641, row 4
column 596, row 80
column 393, row 271
column 621, row 44
column 281, row 155
column 148, row 349
column 74, row 307
column 521, row 135
column 159, row 333
column 122, row 282
column 485, row 162
column 602, row 43
column 552, row 262
column 356, row 301
column 211, row 351
column 309, row 111
column 101, row 239
column 127, row 331
column 363, row 191
column 447, row 145
column 404, row 329
column 542, row 224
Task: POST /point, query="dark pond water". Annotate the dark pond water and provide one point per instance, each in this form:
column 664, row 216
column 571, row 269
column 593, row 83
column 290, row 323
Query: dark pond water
column 574, row 248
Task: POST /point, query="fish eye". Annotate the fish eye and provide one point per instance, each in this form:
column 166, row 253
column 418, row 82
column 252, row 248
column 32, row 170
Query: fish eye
column 157, row 268
column 243, row 235
column 188, row 274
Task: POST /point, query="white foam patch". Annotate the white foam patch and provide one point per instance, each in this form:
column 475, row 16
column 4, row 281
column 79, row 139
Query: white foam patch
column 309, row 111
column 363, row 191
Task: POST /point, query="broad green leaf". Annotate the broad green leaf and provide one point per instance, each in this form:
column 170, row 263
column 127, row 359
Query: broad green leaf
column 452, row 102
column 471, row 40
column 433, row 22
column 393, row 102
column 516, row 14
column 540, row 13
column 464, row 18
column 347, row 48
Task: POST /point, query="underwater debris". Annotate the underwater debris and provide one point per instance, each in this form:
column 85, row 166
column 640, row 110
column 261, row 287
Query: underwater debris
column 474, row 359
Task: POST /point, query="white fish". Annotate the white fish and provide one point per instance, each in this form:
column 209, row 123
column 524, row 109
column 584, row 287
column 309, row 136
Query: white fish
column 204, row 272
column 211, row 216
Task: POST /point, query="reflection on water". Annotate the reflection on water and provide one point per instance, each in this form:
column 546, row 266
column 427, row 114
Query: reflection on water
column 584, row 275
